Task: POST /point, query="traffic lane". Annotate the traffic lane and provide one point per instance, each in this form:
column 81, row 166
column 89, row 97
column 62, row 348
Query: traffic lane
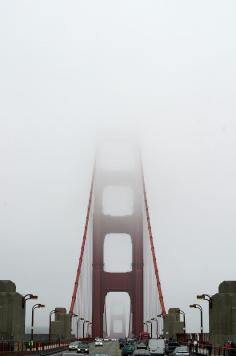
column 110, row 348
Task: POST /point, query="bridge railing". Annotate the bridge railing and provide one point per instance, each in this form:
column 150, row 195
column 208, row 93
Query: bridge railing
column 210, row 350
column 14, row 346
column 205, row 347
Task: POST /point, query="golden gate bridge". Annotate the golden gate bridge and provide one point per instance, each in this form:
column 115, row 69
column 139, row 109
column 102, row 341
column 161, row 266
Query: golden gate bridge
column 142, row 282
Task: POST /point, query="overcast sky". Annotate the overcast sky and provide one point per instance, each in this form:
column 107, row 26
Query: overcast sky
column 72, row 70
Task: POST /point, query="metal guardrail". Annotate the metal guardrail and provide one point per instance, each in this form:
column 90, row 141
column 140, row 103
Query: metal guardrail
column 210, row 350
column 27, row 346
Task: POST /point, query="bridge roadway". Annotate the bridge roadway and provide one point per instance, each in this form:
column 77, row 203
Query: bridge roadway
column 110, row 348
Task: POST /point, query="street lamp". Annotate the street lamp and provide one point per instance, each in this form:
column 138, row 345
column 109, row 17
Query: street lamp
column 161, row 316
column 89, row 323
column 78, row 320
column 206, row 297
column 149, row 322
column 35, row 306
column 155, row 319
column 54, row 311
column 198, row 306
column 28, row 297
column 84, row 322
column 73, row 315
column 184, row 319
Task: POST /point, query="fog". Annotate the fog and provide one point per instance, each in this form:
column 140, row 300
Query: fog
column 163, row 73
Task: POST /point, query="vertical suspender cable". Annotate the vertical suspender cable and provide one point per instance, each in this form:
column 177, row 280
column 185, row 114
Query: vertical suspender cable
column 152, row 244
column 73, row 299
column 130, row 323
column 105, row 319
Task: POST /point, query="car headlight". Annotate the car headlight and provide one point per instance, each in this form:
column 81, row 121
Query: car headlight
column 78, row 349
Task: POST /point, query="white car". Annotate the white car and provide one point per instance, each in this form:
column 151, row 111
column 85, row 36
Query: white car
column 74, row 345
column 98, row 342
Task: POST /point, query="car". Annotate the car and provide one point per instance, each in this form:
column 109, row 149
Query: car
column 122, row 342
column 128, row 349
column 144, row 336
column 156, row 346
column 171, row 346
column 181, row 351
column 106, row 339
column 141, row 345
column 98, row 342
column 73, row 345
column 83, row 348
column 141, row 352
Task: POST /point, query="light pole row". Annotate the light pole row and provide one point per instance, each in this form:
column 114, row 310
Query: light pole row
column 26, row 297
column 150, row 322
column 84, row 323
column 206, row 297
column 54, row 311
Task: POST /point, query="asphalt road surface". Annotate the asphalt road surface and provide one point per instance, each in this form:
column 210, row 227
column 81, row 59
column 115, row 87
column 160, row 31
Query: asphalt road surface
column 110, row 348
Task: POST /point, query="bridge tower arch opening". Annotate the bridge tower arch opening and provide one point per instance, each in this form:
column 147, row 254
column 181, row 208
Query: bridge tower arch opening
column 118, row 309
column 118, row 253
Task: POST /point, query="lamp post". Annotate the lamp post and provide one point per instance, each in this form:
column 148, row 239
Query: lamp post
column 155, row 319
column 149, row 322
column 198, row 306
column 35, row 306
column 208, row 298
column 161, row 316
column 73, row 315
column 28, row 297
column 84, row 322
column 204, row 296
column 54, row 311
column 89, row 323
column 184, row 318
column 78, row 320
